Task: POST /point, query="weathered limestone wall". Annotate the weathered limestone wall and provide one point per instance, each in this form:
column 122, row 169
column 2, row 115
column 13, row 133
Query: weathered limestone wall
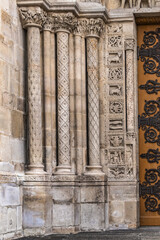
column 12, row 118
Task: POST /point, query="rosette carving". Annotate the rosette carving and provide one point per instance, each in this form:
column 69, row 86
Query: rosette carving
column 34, row 16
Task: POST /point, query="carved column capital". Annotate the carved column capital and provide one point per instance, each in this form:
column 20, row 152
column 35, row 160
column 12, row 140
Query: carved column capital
column 63, row 22
column 32, row 17
column 94, row 27
column 48, row 23
column 129, row 44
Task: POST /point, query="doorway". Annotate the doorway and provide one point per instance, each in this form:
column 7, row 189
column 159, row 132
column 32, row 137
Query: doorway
column 149, row 122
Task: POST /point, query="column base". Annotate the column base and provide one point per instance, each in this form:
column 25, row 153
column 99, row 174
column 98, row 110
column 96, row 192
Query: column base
column 94, row 170
column 35, row 170
column 63, row 170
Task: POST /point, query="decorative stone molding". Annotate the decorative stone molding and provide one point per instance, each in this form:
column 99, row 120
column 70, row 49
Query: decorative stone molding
column 65, row 21
column 32, row 17
column 89, row 26
column 129, row 47
column 94, row 27
column 48, row 24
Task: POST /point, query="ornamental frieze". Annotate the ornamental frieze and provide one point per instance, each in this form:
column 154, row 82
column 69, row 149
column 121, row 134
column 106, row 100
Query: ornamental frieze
column 63, row 21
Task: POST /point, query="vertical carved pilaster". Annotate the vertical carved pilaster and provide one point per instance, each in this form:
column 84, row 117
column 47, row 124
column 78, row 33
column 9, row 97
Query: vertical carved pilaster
column 129, row 47
column 93, row 29
column 32, row 20
column 64, row 165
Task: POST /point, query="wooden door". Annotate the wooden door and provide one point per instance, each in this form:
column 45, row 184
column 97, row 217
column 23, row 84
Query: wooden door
column 149, row 123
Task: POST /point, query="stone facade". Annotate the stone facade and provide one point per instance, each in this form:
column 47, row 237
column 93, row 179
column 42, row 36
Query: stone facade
column 68, row 115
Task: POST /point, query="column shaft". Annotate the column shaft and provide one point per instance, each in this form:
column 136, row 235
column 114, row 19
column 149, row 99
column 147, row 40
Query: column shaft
column 47, row 100
column 93, row 105
column 34, row 101
column 129, row 45
column 64, row 164
column 78, row 102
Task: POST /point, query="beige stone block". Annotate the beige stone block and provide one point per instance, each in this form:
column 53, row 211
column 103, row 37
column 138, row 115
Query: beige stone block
column 63, row 215
column 92, row 194
column 63, row 194
column 18, row 150
column 6, row 167
column 122, row 192
column 4, row 76
column 5, row 148
column 9, row 195
column 5, row 121
column 7, row 50
column 131, row 212
column 19, row 218
column 3, row 220
column 17, row 124
column 9, row 100
column 11, row 219
column 14, row 81
column 116, row 212
column 92, row 216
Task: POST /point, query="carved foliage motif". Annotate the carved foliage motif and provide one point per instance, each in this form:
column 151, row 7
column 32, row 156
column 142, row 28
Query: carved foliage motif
column 36, row 16
column 67, row 21
column 116, row 141
column 115, row 74
column 114, row 28
column 117, row 172
column 115, row 41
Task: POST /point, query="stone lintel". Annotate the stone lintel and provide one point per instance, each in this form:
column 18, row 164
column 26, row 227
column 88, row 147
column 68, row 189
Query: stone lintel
column 87, row 10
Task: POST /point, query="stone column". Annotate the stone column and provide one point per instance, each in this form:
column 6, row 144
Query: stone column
column 47, row 93
column 63, row 26
column 94, row 27
column 129, row 47
column 78, row 102
column 32, row 21
column 64, row 162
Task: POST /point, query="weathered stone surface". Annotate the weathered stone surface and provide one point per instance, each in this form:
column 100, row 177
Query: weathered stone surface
column 63, row 215
column 92, row 216
column 9, row 195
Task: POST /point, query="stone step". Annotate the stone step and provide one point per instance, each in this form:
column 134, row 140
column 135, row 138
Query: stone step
column 146, row 233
